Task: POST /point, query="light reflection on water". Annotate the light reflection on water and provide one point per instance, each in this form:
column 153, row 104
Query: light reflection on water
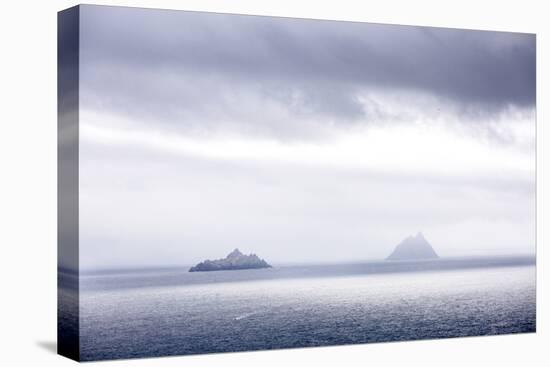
column 301, row 312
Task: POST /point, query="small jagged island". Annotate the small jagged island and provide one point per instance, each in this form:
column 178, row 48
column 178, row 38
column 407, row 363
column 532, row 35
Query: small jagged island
column 414, row 248
column 236, row 260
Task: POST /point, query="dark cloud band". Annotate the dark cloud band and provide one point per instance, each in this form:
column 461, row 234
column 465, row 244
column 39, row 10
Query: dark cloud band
column 179, row 65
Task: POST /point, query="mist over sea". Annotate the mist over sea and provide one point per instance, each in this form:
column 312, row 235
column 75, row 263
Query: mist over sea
column 144, row 313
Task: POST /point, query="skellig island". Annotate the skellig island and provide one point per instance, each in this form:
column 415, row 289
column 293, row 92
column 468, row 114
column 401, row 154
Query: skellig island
column 413, row 248
column 236, row 260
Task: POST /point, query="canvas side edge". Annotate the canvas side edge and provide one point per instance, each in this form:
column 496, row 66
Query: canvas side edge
column 68, row 44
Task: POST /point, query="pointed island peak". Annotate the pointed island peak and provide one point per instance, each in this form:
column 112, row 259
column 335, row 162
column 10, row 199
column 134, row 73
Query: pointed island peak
column 236, row 260
column 234, row 253
column 413, row 248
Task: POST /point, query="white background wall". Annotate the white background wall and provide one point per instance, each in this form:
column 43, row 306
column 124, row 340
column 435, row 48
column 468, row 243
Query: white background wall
column 28, row 182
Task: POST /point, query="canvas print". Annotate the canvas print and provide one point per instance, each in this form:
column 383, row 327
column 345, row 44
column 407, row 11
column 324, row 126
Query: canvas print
column 236, row 183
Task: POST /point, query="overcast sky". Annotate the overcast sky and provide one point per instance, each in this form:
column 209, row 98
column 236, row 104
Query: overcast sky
column 300, row 140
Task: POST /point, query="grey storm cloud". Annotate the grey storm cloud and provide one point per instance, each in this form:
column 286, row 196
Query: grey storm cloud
column 193, row 67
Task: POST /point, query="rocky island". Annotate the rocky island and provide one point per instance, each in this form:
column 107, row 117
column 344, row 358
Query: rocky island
column 413, row 248
column 236, row 260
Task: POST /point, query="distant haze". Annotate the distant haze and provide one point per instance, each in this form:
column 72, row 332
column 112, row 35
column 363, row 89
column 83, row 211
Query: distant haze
column 300, row 140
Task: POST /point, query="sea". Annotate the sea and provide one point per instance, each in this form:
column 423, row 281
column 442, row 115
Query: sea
column 160, row 312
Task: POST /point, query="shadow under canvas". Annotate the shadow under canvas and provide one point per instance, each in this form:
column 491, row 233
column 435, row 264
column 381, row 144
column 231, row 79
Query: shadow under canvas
column 48, row 345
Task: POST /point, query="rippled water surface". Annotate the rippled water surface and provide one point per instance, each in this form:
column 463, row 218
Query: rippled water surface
column 202, row 313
